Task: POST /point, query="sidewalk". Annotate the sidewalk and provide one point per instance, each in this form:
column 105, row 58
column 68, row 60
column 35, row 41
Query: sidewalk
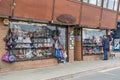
column 61, row 71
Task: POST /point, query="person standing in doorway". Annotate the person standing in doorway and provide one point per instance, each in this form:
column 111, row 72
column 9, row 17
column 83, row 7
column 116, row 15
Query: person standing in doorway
column 105, row 44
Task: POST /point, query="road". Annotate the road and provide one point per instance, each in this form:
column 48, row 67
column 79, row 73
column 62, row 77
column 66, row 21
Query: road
column 109, row 74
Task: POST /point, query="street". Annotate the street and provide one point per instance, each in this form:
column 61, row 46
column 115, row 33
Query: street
column 109, row 74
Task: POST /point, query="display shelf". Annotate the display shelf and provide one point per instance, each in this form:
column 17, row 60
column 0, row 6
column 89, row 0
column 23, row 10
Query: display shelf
column 33, row 48
column 91, row 46
column 39, row 37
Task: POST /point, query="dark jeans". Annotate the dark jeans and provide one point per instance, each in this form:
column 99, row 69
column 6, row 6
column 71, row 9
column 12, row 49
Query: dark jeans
column 105, row 54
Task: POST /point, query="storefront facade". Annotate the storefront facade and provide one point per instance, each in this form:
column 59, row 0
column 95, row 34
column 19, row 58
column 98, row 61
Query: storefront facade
column 69, row 26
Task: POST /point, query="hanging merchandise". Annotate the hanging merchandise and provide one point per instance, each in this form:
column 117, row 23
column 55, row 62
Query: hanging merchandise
column 6, row 38
column 5, row 57
column 8, row 57
column 58, row 53
column 11, row 56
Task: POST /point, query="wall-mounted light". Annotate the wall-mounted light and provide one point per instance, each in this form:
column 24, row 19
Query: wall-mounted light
column 6, row 22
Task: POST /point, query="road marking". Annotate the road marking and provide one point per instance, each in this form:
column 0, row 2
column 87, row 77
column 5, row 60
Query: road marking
column 106, row 70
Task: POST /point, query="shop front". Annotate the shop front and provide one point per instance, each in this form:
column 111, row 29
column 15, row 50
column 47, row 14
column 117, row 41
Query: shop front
column 36, row 41
column 90, row 42
column 32, row 45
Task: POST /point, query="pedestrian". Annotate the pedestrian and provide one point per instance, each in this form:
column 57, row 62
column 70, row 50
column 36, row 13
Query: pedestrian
column 105, row 44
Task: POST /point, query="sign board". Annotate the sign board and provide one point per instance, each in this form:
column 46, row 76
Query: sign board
column 66, row 18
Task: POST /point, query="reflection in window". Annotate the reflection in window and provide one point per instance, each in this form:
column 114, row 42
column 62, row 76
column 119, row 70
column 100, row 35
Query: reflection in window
column 110, row 4
column 99, row 2
column 36, row 41
column 116, row 4
column 92, row 2
column 105, row 3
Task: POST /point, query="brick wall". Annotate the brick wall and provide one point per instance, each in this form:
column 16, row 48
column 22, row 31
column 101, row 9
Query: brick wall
column 92, row 57
column 70, row 52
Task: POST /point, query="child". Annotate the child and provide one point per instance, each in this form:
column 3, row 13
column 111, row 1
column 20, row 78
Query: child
column 64, row 54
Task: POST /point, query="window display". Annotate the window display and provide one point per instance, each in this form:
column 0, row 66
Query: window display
column 28, row 41
column 92, row 41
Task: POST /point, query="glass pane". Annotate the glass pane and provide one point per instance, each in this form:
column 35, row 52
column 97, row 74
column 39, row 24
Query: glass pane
column 92, row 2
column 105, row 3
column 85, row 1
column 110, row 4
column 33, row 41
column 62, row 37
column 99, row 2
column 116, row 5
column 92, row 41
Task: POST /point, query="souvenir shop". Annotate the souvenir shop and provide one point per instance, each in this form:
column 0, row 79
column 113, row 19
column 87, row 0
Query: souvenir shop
column 35, row 41
column 90, row 42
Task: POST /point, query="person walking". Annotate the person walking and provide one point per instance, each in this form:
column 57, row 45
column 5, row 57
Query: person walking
column 105, row 44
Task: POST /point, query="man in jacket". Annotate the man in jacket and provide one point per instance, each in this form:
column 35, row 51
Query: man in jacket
column 105, row 44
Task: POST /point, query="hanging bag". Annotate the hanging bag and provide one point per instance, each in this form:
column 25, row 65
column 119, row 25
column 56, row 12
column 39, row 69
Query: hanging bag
column 11, row 57
column 58, row 53
column 5, row 57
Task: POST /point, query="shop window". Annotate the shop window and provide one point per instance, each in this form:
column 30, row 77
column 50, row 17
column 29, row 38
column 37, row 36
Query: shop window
column 92, row 41
column 36, row 41
column 110, row 4
column 92, row 2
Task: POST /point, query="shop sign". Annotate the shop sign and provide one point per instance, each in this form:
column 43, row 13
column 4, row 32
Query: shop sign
column 66, row 18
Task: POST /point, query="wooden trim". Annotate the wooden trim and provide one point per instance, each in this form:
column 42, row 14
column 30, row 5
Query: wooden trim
column 107, row 3
column 53, row 10
column 114, row 5
column 101, row 14
column 75, row 1
column 96, row 2
column 81, row 29
column 12, row 8
column 80, row 18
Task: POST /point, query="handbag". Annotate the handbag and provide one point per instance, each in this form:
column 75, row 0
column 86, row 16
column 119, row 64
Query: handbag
column 12, row 57
column 8, row 57
column 5, row 57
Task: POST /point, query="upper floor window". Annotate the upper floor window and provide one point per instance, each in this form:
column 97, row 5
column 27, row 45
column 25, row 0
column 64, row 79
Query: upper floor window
column 93, row 2
column 115, row 5
column 110, row 4
column 105, row 3
column 99, row 2
column 85, row 1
